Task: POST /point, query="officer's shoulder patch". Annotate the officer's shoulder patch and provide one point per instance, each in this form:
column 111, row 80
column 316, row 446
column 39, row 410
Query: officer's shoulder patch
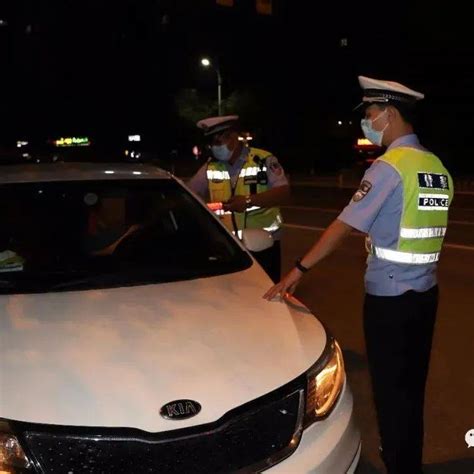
column 364, row 188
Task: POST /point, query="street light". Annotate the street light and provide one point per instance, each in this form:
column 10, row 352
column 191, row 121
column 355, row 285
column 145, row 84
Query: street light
column 206, row 62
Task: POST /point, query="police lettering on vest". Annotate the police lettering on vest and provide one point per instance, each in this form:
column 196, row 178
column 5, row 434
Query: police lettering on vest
column 430, row 202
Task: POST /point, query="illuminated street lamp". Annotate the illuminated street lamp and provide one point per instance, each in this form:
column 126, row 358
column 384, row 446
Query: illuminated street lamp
column 206, row 62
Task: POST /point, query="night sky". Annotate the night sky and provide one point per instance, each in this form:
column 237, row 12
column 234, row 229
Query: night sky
column 107, row 68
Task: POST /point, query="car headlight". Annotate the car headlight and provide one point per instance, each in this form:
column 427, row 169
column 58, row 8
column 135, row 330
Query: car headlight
column 324, row 383
column 12, row 457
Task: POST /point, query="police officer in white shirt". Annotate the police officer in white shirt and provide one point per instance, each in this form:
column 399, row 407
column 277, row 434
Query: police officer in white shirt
column 402, row 205
column 250, row 182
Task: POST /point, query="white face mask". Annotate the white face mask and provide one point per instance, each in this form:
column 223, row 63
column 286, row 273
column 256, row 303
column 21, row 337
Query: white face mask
column 374, row 136
column 221, row 152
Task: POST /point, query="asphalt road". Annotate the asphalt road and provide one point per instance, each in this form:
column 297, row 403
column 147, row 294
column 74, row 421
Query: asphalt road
column 334, row 291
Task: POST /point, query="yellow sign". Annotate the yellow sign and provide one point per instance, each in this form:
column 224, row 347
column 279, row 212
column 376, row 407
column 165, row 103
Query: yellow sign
column 72, row 141
column 363, row 142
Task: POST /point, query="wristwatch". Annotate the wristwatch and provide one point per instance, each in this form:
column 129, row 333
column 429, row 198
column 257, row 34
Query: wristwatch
column 300, row 266
column 248, row 200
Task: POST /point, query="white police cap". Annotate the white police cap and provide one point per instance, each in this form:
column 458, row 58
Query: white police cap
column 379, row 91
column 214, row 125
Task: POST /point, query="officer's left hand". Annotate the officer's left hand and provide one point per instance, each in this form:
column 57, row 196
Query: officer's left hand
column 235, row 204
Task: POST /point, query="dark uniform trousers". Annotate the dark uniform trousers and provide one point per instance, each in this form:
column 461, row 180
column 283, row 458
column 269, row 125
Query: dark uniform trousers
column 270, row 260
column 399, row 332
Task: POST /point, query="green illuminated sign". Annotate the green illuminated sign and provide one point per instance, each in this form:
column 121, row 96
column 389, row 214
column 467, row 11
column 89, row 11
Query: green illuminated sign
column 72, row 141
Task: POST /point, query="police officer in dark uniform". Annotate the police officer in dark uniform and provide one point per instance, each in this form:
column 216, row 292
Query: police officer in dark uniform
column 402, row 205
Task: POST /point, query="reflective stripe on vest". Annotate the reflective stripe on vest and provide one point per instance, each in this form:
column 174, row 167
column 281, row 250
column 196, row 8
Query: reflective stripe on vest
column 224, row 175
column 250, row 171
column 217, row 175
column 405, row 257
column 423, row 233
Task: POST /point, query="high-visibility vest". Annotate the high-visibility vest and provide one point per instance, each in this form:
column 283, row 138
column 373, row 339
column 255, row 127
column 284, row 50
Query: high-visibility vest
column 10, row 260
column 252, row 180
column 427, row 194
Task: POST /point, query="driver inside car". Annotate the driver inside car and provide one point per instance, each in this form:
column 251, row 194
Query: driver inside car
column 107, row 226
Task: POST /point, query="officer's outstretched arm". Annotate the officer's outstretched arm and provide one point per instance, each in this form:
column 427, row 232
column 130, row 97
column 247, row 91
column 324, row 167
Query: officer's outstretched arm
column 329, row 241
column 273, row 197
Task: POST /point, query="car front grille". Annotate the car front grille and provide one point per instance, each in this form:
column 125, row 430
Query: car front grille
column 248, row 439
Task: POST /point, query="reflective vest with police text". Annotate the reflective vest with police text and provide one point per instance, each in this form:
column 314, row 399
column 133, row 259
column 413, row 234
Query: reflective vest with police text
column 427, row 194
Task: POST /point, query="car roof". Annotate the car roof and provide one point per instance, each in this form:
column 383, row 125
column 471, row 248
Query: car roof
column 30, row 173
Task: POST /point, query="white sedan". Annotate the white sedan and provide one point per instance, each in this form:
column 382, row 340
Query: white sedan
column 134, row 338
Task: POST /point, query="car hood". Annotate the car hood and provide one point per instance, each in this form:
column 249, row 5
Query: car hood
column 114, row 357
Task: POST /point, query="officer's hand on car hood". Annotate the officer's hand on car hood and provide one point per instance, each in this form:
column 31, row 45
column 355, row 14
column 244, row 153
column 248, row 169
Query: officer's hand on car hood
column 286, row 285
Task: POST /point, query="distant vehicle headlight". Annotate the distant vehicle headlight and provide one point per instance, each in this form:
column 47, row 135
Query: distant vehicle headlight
column 324, row 383
column 12, row 456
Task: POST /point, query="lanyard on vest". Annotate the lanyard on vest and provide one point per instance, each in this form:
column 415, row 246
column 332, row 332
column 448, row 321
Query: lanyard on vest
column 253, row 189
column 233, row 187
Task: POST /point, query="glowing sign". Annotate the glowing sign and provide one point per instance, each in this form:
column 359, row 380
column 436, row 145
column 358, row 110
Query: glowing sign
column 72, row 141
column 364, row 142
column 21, row 143
column 134, row 138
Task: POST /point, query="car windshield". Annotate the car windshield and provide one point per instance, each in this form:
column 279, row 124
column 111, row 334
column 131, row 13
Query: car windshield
column 95, row 234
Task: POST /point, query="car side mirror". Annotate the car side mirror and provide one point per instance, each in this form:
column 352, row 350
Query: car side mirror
column 257, row 240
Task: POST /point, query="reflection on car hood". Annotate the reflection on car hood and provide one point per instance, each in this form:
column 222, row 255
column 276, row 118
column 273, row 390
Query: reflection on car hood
column 114, row 357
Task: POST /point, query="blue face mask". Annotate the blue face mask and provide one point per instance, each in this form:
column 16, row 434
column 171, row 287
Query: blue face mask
column 374, row 136
column 221, row 152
